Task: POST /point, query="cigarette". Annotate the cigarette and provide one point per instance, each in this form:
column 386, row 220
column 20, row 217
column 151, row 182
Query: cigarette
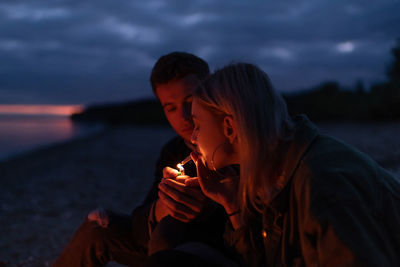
column 186, row 160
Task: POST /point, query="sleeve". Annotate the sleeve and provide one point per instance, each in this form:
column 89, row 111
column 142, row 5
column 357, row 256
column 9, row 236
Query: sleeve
column 143, row 219
column 337, row 224
column 141, row 234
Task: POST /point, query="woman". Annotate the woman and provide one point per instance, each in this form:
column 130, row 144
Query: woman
column 302, row 198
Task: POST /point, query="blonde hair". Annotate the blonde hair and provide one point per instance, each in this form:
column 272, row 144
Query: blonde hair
column 245, row 92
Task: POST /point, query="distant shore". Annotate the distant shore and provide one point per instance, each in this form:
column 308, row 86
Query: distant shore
column 45, row 194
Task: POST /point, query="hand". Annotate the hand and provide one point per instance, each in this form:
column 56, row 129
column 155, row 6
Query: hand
column 222, row 190
column 100, row 216
column 177, row 199
column 161, row 209
column 169, row 172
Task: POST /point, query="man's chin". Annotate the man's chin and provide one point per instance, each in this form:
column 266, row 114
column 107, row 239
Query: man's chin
column 186, row 135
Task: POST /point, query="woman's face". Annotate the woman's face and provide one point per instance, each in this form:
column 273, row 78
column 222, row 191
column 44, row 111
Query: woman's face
column 208, row 136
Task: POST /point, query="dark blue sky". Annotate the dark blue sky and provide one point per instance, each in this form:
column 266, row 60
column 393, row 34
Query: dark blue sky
column 84, row 52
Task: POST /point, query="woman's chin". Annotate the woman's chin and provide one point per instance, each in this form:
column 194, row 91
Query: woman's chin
column 204, row 161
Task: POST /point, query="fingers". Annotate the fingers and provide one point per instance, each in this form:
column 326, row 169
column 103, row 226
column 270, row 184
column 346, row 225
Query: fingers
column 202, row 173
column 182, row 178
column 169, row 172
column 190, row 191
column 187, row 196
column 92, row 216
column 188, row 181
column 182, row 185
column 100, row 216
column 177, row 210
column 192, row 182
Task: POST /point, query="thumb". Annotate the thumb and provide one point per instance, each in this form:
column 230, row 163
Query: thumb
column 169, row 172
column 192, row 182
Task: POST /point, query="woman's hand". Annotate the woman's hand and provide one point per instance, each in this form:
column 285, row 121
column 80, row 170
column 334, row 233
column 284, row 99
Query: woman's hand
column 177, row 199
column 222, row 190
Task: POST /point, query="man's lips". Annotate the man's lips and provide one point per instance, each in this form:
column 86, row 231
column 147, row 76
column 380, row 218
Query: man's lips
column 187, row 129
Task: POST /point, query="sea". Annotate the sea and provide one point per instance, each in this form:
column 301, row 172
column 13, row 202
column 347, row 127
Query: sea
column 23, row 133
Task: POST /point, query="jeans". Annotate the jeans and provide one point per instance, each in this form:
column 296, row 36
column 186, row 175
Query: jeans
column 190, row 254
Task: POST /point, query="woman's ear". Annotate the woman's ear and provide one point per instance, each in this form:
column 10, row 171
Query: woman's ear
column 230, row 130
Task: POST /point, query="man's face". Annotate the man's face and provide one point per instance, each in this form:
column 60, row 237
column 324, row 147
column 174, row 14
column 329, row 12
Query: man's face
column 176, row 99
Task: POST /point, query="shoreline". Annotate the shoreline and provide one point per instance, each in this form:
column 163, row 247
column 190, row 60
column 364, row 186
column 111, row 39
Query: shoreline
column 45, row 148
column 22, row 134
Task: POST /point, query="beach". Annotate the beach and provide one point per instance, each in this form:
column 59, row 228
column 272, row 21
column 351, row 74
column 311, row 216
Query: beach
column 46, row 194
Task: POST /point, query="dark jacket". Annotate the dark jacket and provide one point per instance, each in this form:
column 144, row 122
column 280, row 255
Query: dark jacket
column 338, row 208
column 144, row 223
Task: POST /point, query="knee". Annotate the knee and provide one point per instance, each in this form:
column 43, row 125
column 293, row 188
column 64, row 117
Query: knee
column 90, row 231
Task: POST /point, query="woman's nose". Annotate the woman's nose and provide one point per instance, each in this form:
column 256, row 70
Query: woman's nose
column 193, row 138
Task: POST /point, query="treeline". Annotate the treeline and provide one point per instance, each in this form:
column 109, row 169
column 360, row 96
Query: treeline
column 326, row 102
column 143, row 112
column 329, row 101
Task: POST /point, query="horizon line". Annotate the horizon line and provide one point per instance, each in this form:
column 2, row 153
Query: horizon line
column 45, row 109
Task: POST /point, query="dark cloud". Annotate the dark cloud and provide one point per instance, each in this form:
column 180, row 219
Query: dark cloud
column 84, row 52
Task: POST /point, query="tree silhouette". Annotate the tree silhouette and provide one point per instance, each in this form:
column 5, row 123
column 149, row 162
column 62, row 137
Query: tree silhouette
column 393, row 71
column 385, row 97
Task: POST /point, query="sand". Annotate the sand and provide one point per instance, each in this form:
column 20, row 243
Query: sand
column 46, row 194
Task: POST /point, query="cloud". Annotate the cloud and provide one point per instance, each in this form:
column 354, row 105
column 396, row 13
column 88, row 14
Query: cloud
column 81, row 52
column 18, row 11
column 345, row 47
column 131, row 32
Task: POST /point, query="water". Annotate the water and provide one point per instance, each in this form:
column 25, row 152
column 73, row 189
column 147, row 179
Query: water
column 22, row 133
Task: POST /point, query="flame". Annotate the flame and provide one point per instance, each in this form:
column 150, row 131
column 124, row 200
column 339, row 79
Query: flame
column 180, row 167
column 58, row 110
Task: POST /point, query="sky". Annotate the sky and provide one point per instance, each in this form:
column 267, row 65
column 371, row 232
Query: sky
column 89, row 52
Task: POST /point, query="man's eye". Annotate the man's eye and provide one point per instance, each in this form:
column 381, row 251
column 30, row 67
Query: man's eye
column 170, row 109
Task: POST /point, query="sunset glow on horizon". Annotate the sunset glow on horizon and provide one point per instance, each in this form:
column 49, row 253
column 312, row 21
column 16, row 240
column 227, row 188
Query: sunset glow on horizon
column 55, row 110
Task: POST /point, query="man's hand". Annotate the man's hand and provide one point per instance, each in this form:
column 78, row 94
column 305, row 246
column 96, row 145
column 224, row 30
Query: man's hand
column 100, row 216
column 177, row 199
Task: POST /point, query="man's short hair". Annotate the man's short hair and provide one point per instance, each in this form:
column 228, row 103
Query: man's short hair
column 177, row 65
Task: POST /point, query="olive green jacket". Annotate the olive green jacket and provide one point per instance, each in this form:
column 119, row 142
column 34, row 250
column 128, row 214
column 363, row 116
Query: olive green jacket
column 338, row 208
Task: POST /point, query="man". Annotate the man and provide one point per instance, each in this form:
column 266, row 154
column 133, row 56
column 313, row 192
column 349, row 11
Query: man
column 106, row 236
